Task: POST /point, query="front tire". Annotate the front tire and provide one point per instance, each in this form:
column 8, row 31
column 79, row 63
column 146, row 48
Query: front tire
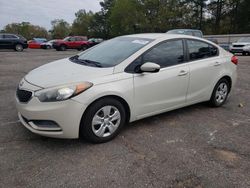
column 18, row 47
column 63, row 48
column 220, row 93
column 103, row 120
column 84, row 47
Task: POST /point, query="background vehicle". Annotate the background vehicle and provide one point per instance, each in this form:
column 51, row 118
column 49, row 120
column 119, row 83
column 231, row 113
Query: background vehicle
column 94, row 41
column 213, row 40
column 241, row 46
column 12, row 41
column 72, row 42
column 47, row 45
column 191, row 32
column 36, row 43
column 225, row 46
column 122, row 80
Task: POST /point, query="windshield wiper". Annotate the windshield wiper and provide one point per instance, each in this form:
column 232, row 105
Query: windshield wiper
column 85, row 61
column 95, row 63
column 74, row 57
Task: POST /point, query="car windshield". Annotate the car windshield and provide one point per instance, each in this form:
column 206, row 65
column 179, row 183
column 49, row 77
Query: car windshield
column 112, row 52
column 244, row 39
column 66, row 39
column 176, row 32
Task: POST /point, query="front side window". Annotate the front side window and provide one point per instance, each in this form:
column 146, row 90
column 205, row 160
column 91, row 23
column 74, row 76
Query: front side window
column 166, row 54
column 200, row 50
column 10, row 36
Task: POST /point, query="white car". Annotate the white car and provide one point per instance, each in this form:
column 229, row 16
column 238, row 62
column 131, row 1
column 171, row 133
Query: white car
column 48, row 44
column 122, row 80
column 241, row 46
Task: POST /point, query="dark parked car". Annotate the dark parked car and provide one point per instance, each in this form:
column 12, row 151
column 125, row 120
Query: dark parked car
column 13, row 41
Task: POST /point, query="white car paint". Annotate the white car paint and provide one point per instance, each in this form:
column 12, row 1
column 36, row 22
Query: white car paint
column 146, row 94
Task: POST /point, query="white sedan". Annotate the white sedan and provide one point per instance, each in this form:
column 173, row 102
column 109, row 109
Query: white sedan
column 94, row 94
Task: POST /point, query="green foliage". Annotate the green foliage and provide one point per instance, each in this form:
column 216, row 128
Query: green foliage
column 26, row 29
column 60, row 29
column 119, row 17
column 82, row 22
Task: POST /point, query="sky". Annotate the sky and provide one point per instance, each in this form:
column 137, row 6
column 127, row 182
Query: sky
column 41, row 12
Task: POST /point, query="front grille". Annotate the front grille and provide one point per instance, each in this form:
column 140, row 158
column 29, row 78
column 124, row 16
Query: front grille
column 238, row 46
column 23, row 95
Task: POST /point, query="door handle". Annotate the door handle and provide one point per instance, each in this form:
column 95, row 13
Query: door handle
column 217, row 64
column 183, row 73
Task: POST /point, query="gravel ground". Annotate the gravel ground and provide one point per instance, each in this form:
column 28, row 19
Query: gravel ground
column 196, row 146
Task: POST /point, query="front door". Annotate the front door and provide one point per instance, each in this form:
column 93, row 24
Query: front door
column 165, row 90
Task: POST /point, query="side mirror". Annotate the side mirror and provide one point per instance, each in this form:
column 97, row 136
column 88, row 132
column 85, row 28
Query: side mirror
column 150, row 67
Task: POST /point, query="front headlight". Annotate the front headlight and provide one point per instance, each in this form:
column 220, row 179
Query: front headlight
column 62, row 93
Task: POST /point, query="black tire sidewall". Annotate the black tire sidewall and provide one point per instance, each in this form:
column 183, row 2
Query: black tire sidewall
column 84, row 47
column 86, row 122
column 213, row 101
column 62, row 48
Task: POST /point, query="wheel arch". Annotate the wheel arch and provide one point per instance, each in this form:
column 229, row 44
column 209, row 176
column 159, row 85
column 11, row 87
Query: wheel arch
column 229, row 79
column 120, row 99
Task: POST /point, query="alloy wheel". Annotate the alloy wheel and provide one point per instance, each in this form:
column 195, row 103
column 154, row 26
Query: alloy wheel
column 221, row 93
column 106, row 121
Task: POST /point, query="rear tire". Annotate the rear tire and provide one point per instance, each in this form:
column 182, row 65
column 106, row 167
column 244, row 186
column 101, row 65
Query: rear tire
column 220, row 93
column 18, row 48
column 103, row 120
column 244, row 53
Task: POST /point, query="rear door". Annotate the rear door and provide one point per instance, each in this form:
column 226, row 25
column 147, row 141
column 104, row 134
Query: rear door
column 156, row 92
column 205, row 66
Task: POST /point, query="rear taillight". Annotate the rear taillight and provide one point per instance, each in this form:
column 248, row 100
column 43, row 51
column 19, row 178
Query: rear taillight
column 234, row 60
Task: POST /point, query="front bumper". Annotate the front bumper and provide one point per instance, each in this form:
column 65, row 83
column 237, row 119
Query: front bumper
column 236, row 50
column 66, row 115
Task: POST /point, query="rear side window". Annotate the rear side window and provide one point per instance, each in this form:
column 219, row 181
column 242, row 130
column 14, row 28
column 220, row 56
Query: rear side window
column 166, row 54
column 200, row 50
column 10, row 37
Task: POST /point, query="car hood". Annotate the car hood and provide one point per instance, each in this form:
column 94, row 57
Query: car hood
column 241, row 43
column 63, row 72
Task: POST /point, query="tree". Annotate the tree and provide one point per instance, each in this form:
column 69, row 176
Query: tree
column 60, row 28
column 82, row 23
column 26, row 29
column 126, row 17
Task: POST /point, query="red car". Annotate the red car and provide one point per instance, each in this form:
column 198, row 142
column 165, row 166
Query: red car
column 36, row 43
column 72, row 42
